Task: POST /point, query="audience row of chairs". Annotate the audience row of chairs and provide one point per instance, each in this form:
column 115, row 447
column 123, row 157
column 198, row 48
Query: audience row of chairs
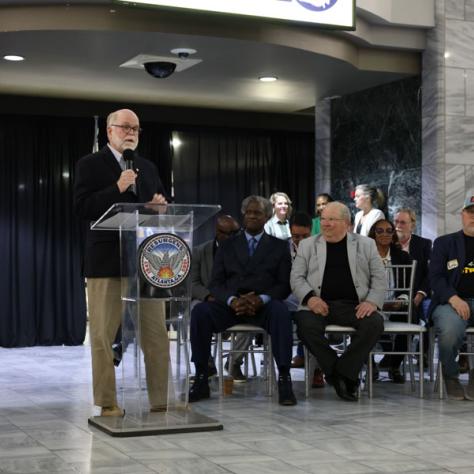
column 402, row 280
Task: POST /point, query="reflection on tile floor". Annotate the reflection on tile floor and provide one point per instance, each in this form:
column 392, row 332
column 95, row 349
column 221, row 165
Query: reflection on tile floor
column 45, row 400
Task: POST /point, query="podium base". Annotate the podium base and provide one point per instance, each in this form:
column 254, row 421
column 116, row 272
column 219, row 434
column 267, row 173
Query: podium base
column 148, row 424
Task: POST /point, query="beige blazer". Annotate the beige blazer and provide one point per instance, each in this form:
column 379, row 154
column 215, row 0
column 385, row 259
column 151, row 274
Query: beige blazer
column 367, row 270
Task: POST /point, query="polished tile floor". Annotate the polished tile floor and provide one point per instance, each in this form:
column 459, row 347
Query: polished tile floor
column 45, row 401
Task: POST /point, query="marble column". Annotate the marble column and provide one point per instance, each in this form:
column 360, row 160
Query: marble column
column 323, row 147
column 448, row 116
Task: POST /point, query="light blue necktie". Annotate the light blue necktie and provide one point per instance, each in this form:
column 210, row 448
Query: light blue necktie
column 252, row 245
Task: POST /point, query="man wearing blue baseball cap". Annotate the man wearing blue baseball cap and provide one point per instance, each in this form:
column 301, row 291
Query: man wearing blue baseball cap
column 452, row 305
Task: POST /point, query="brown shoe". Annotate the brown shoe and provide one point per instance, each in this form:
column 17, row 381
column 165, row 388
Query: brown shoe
column 112, row 411
column 318, row 379
column 158, row 408
column 297, row 362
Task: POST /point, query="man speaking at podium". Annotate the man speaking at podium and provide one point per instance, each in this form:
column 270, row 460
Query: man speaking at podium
column 101, row 180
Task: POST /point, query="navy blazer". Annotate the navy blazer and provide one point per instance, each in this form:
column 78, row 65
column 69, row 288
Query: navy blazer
column 420, row 250
column 95, row 191
column 451, row 249
column 266, row 272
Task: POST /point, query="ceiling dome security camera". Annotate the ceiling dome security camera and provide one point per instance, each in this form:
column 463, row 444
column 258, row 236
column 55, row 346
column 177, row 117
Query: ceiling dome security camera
column 160, row 69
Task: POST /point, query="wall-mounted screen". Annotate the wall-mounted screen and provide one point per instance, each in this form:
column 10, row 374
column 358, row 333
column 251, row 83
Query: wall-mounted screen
column 329, row 13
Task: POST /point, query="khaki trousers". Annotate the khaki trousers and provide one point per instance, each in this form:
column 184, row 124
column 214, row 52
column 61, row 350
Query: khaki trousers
column 105, row 317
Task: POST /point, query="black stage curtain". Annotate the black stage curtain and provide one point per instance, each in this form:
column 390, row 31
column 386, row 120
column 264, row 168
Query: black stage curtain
column 41, row 288
column 224, row 166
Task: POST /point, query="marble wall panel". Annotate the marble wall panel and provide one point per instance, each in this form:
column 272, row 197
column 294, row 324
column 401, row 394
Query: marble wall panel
column 469, row 9
column 455, row 91
column 323, row 119
column 323, row 186
column 459, row 41
column 432, row 185
column 455, row 9
column 433, row 140
column 404, row 190
column 433, row 56
column 322, row 183
column 459, row 140
column 433, row 225
column 469, row 92
column 433, row 98
column 323, row 157
column 376, row 139
column 469, row 175
column 453, row 223
column 455, row 187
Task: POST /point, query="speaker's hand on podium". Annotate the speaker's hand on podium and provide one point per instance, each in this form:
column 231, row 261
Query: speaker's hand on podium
column 157, row 199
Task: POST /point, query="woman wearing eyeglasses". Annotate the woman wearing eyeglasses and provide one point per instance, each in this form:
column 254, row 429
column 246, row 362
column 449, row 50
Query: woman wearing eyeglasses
column 389, row 248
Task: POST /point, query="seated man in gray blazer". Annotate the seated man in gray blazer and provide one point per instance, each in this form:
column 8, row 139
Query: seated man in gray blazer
column 339, row 278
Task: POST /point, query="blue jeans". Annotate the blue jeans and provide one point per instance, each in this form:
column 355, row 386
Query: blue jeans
column 450, row 329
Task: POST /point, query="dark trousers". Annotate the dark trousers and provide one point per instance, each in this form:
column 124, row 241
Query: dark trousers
column 311, row 330
column 209, row 318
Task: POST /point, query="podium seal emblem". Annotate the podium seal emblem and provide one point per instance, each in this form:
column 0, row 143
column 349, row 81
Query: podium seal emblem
column 164, row 260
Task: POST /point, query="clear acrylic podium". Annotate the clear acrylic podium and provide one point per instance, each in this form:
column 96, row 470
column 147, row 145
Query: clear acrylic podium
column 153, row 377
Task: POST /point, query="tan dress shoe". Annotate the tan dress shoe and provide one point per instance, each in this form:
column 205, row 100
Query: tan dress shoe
column 112, row 411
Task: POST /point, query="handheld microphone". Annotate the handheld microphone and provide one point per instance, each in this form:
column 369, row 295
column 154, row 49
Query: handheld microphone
column 129, row 158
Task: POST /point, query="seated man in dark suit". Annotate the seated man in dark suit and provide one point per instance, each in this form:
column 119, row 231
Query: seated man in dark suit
column 419, row 249
column 203, row 258
column 250, row 280
column 201, row 272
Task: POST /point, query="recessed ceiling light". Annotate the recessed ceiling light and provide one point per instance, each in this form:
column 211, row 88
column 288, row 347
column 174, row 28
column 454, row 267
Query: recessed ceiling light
column 268, row 78
column 13, row 57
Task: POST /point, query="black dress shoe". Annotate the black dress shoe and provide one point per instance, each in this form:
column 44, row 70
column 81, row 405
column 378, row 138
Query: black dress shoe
column 345, row 388
column 200, row 389
column 285, row 391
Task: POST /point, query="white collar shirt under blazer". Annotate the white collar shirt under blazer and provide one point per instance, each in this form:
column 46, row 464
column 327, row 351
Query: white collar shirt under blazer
column 279, row 230
column 367, row 269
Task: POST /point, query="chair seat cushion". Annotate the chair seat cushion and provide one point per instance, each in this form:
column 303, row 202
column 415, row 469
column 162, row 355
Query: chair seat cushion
column 245, row 328
column 392, row 326
column 342, row 329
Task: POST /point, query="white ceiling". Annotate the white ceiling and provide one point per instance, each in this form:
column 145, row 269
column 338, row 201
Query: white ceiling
column 80, row 62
